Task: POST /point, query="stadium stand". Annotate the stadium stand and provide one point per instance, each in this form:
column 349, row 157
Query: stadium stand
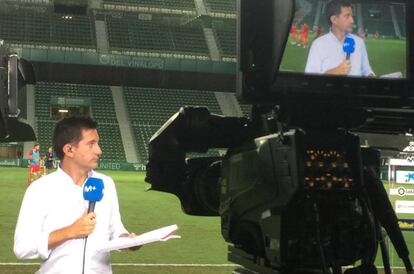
column 167, row 102
column 245, row 110
column 170, row 4
column 189, row 39
column 378, row 18
column 44, row 134
column 129, row 32
column 102, row 110
column 400, row 14
column 225, row 31
column 150, row 108
column 221, row 6
column 45, row 28
column 149, row 27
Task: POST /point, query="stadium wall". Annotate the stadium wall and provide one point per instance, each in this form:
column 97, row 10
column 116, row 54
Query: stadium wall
column 134, row 77
column 103, row 164
column 93, row 58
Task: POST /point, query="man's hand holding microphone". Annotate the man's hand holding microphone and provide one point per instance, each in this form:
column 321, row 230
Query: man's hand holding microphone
column 345, row 67
column 83, row 226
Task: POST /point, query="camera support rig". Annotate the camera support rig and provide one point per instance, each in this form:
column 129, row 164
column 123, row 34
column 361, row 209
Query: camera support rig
column 295, row 191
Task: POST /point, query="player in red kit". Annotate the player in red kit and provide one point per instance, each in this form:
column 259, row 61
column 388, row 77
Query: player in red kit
column 304, row 33
column 293, row 34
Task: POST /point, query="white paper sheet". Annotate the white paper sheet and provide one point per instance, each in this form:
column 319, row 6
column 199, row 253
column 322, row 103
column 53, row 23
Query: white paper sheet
column 161, row 234
column 397, row 75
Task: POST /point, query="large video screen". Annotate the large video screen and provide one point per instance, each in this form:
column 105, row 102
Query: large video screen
column 350, row 38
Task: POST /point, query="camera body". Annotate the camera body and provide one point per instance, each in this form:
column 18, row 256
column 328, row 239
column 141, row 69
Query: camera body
column 288, row 201
column 15, row 73
column 286, row 196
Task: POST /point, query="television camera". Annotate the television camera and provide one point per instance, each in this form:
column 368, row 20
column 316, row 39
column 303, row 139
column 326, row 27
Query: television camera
column 295, row 191
column 15, row 73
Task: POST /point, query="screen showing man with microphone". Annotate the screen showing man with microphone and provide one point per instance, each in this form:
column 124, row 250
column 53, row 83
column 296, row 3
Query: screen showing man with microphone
column 339, row 52
column 67, row 214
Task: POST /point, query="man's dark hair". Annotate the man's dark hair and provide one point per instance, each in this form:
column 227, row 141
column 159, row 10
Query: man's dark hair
column 334, row 8
column 69, row 131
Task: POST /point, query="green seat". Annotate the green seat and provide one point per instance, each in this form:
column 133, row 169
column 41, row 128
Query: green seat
column 102, row 108
column 148, row 109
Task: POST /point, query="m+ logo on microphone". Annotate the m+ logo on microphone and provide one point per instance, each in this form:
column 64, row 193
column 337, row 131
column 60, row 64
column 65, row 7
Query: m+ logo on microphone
column 90, row 188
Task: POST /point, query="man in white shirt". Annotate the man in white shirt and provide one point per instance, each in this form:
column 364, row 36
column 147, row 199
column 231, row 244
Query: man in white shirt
column 53, row 220
column 326, row 55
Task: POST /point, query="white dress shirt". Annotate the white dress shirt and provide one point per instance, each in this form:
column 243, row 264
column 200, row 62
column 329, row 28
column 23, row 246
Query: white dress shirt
column 54, row 202
column 327, row 52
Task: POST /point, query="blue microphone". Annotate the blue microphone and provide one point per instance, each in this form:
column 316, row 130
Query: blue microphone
column 349, row 46
column 93, row 192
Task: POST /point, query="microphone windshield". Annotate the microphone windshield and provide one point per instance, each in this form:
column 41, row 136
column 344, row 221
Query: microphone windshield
column 93, row 189
column 349, row 45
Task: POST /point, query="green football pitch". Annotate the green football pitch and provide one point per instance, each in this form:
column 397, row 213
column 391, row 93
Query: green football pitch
column 385, row 56
column 201, row 249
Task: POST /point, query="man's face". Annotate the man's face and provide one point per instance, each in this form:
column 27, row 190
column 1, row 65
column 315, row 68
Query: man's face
column 344, row 21
column 87, row 152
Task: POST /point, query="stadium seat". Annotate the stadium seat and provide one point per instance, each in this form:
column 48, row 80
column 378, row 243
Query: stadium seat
column 171, row 4
column 102, row 110
column 148, row 109
column 131, row 33
column 45, row 28
column 221, row 6
column 225, row 31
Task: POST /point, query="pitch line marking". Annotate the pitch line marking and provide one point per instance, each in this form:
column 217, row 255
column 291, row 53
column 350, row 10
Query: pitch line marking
column 130, row 264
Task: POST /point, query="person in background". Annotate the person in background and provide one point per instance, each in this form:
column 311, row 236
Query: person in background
column 317, row 31
column 42, row 167
column 19, row 153
column 34, row 164
column 293, row 34
column 49, row 159
column 304, row 35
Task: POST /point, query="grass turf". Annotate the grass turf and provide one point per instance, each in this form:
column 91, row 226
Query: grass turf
column 141, row 211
